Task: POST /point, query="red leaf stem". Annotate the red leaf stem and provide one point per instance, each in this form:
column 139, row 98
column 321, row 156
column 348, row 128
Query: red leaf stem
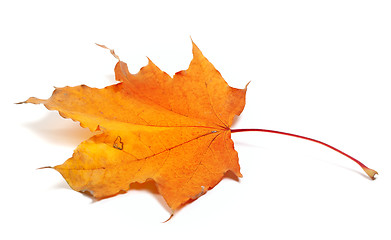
column 370, row 172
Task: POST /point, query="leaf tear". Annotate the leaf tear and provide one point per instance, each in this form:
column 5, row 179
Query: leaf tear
column 118, row 144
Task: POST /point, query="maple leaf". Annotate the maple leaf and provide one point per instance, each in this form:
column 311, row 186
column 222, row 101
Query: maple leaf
column 174, row 131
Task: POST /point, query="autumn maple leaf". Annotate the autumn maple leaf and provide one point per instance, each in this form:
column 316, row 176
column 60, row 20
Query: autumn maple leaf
column 173, row 131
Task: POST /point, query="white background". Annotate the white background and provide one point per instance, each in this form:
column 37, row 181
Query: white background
column 317, row 68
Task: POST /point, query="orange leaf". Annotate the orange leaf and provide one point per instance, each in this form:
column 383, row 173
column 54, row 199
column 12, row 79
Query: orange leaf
column 174, row 131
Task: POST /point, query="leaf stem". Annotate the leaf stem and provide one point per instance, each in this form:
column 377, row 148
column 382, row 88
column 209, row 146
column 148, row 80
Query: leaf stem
column 370, row 172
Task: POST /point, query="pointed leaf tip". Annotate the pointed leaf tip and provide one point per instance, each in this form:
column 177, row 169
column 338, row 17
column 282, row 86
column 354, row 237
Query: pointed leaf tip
column 111, row 50
column 44, row 167
column 196, row 50
column 172, row 214
column 33, row 100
